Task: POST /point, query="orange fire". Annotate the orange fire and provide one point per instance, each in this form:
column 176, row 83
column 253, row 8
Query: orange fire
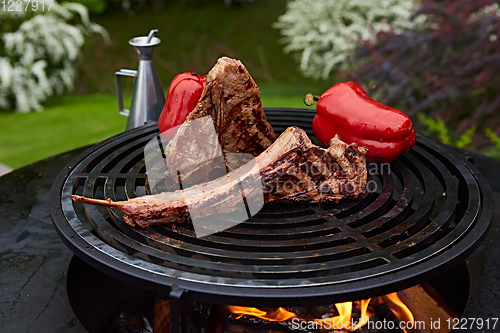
column 397, row 307
column 278, row 315
column 343, row 320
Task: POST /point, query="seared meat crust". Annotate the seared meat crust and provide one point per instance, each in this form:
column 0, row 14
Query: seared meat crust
column 232, row 99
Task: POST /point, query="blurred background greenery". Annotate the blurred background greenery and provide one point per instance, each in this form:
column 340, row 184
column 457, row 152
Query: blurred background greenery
column 194, row 35
column 63, row 62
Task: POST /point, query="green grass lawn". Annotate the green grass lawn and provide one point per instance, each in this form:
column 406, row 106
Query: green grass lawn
column 74, row 121
column 67, row 122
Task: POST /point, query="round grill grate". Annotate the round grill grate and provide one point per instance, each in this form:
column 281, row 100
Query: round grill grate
column 423, row 214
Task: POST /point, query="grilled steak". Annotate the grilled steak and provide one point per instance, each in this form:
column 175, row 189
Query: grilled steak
column 291, row 169
column 232, row 99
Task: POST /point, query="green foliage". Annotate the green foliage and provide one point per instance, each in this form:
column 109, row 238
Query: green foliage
column 437, row 128
column 194, row 2
column 495, row 140
column 226, row 2
column 238, row 2
column 39, row 49
column 93, row 6
column 192, row 39
column 322, row 34
column 447, row 68
column 105, row 7
column 465, row 139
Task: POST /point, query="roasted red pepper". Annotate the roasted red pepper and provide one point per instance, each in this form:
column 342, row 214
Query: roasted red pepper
column 182, row 96
column 347, row 110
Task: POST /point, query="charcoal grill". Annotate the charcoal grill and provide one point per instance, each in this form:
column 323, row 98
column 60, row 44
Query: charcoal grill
column 422, row 215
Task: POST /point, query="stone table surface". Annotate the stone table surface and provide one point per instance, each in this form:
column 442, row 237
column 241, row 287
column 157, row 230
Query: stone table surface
column 33, row 259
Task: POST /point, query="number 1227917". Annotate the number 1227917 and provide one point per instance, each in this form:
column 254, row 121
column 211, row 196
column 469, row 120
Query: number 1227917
column 24, row 6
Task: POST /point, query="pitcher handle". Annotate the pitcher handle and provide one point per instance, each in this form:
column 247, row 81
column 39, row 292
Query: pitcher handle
column 119, row 93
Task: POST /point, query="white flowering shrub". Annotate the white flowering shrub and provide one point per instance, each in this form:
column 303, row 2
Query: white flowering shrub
column 324, row 33
column 38, row 59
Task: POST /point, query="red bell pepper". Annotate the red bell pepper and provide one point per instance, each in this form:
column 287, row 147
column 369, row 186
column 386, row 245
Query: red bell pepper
column 182, row 96
column 347, row 110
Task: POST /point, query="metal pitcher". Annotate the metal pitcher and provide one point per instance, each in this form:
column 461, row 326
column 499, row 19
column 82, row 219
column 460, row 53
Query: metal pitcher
column 148, row 98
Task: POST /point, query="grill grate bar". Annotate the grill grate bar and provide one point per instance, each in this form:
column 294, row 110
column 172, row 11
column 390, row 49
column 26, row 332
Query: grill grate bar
column 136, row 249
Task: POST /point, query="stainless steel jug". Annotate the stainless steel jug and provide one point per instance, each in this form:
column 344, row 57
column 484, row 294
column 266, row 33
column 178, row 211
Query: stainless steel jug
column 148, row 98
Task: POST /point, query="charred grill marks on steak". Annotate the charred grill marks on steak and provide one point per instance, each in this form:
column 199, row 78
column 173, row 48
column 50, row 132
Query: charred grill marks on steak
column 321, row 174
column 291, row 169
column 232, row 99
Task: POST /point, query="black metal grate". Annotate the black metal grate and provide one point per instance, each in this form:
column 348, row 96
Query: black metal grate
column 424, row 213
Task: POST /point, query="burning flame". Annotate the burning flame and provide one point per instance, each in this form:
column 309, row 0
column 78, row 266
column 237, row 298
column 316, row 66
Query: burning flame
column 278, row 315
column 397, row 307
column 343, row 320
